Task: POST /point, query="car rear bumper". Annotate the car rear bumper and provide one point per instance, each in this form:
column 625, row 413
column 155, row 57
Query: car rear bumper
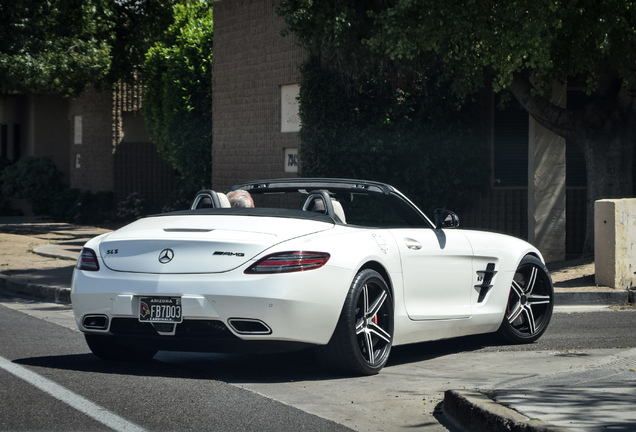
column 301, row 307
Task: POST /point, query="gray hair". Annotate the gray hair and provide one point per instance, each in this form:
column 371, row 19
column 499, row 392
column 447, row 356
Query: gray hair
column 240, row 198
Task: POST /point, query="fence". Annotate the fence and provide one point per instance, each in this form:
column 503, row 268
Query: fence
column 139, row 168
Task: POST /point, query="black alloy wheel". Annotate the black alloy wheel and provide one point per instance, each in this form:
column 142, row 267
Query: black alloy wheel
column 363, row 337
column 530, row 302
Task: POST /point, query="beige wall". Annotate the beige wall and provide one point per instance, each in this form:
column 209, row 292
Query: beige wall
column 546, row 186
column 251, row 62
column 615, row 242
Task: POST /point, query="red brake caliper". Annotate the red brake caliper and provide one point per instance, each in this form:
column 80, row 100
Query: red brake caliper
column 508, row 305
column 375, row 319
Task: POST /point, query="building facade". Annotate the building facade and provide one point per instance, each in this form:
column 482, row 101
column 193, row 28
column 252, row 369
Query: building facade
column 255, row 82
column 254, row 73
column 98, row 140
column 111, row 149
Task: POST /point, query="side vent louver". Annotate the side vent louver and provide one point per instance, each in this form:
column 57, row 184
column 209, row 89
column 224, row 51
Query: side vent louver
column 485, row 279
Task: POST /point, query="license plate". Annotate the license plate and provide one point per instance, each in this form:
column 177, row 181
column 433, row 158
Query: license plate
column 160, row 309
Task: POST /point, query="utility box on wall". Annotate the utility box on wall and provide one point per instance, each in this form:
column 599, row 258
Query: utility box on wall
column 615, row 242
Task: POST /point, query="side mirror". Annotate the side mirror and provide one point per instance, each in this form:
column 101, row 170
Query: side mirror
column 445, row 219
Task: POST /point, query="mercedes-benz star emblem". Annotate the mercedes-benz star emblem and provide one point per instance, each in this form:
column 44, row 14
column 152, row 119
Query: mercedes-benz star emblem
column 166, row 256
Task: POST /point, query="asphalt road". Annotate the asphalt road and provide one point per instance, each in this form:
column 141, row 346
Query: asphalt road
column 50, row 381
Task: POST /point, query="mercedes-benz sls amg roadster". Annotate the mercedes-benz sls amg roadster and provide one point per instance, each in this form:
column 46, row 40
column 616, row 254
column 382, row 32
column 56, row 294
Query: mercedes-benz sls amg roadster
column 347, row 267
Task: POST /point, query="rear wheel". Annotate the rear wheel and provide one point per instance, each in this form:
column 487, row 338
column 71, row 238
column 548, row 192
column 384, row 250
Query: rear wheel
column 109, row 347
column 362, row 340
column 530, row 303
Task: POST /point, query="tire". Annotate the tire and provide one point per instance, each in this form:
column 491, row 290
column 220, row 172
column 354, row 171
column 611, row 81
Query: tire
column 362, row 340
column 530, row 303
column 108, row 347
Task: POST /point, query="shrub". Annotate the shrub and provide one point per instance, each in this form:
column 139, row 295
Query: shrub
column 132, row 207
column 5, row 205
column 82, row 207
column 63, row 206
column 35, row 179
column 177, row 99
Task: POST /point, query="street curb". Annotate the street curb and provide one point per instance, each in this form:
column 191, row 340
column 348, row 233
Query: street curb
column 587, row 298
column 476, row 412
column 54, row 294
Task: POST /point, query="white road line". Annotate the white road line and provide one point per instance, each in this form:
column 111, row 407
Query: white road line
column 76, row 401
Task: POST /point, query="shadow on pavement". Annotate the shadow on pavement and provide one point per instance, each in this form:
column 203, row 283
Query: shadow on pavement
column 244, row 368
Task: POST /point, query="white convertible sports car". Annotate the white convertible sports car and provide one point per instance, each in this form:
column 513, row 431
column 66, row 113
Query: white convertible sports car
column 348, row 267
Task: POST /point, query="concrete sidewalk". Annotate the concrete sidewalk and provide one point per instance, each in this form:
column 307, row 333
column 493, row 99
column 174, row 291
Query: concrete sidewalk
column 41, row 280
column 561, row 404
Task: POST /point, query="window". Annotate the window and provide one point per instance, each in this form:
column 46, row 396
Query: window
column 77, row 129
column 290, row 119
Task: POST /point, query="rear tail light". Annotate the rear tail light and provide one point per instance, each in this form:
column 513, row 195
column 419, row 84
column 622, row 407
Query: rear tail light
column 288, row 262
column 87, row 260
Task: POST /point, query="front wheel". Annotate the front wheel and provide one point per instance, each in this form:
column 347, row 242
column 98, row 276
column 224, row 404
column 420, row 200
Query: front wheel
column 362, row 340
column 530, row 303
column 108, row 347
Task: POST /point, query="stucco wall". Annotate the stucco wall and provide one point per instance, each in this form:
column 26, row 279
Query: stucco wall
column 251, row 61
column 92, row 159
column 615, row 242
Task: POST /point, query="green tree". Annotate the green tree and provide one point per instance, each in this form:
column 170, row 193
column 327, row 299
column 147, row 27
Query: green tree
column 178, row 93
column 520, row 45
column 53, row 46
column 137, row 26
column 63, row 46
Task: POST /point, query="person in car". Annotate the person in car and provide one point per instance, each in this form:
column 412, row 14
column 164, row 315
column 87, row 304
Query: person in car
column 240, row 198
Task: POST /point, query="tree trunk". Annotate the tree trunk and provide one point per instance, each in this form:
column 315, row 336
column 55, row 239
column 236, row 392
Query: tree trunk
column 605, row 133
column 608, row 161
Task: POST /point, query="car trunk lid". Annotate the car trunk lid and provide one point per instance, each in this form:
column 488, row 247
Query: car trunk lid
column 198, row 244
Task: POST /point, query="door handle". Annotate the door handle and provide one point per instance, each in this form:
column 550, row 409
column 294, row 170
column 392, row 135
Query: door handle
column 412, row 244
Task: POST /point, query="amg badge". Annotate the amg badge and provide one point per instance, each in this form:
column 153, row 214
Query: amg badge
column 236, row 254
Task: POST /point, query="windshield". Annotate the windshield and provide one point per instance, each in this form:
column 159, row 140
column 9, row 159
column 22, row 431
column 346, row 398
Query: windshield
column 361, row 209
column 351, row 202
